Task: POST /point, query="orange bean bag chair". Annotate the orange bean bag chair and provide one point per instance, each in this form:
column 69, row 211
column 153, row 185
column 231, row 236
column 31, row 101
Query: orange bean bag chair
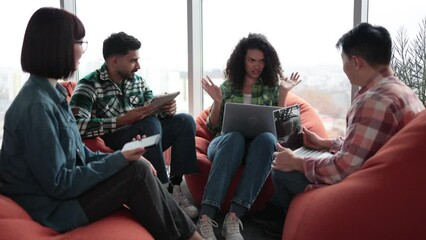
column 196, row 182
column 16, row 224
column 385, row 199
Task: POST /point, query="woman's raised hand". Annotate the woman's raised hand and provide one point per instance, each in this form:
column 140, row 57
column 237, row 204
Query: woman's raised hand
column 214, row 91
column 289, row 83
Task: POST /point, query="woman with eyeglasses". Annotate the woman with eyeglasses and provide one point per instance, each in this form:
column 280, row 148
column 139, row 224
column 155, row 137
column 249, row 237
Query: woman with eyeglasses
column 45, row 167
column 83, row 44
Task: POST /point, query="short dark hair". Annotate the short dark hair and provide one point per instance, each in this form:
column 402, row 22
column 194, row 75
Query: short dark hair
column 373, row 43
column 119, row 44
column 48, row 47
column 235, row 67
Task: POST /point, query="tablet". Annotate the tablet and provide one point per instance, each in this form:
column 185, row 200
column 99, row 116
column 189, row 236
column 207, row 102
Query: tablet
column 159, row 100
column 145, row 142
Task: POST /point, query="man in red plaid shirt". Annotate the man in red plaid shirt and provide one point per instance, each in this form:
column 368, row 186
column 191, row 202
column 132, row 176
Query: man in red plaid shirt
column 382, row 106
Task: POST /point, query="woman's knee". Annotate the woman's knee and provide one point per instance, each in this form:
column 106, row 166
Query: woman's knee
column 140, row 168
column 263, row 146
column 229, row 144
column 266, row 138
column 233, row 137
column 233, row 140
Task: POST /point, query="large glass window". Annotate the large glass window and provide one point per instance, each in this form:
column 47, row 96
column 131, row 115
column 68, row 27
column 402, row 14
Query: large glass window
column 14, row 16
column 395, row 15
column 161, row 26
column 406, row 22
column 303, row 32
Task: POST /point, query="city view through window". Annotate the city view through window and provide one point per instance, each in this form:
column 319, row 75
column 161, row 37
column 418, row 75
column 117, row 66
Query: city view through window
column 304, row 39
column 303, row 32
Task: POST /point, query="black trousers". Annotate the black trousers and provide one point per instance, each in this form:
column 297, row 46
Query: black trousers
column 151, row 205
column 177, row 131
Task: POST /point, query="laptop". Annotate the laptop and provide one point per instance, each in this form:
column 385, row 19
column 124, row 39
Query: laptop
column 288, row 128
column 249, row 119
column 285, row 123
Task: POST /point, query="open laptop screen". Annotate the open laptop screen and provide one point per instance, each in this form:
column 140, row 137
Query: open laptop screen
column 249, row 119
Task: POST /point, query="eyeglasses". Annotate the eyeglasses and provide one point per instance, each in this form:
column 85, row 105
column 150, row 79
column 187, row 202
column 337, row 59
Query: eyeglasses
column 83, row 44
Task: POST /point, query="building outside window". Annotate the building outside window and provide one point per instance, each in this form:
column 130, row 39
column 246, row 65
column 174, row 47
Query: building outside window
column 303, row 32
column 14, row 16
column 161, row 26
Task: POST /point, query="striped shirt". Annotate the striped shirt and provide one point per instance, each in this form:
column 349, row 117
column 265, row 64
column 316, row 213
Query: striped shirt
column 261, row 95
column 380, row 109
column 97, row 101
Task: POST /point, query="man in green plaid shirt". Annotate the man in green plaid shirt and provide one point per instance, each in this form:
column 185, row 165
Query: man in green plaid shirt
column 111, row 103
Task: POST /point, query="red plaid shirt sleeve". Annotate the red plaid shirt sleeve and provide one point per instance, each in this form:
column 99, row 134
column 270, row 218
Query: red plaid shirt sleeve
column 374, row 117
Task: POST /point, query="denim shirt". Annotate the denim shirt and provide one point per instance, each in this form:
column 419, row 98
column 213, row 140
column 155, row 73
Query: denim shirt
column 44, row 165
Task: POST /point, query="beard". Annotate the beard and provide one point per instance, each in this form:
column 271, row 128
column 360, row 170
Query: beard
column 126, row 75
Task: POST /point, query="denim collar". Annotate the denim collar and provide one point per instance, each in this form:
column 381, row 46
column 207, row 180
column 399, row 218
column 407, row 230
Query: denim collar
column 57, row 94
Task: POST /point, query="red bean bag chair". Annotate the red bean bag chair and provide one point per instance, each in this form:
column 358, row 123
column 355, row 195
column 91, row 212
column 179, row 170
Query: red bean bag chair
column 16, row 224
column 385, row 199
column 196, row 182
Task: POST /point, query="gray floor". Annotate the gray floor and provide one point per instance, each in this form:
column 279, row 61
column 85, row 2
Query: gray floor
column 252, row 231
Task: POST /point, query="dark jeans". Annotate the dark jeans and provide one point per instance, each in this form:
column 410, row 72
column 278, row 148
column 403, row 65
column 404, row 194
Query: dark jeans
column 177, row 131
column 287, row 186
column 150, row 204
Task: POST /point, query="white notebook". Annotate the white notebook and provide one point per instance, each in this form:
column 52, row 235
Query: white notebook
column 145, row 142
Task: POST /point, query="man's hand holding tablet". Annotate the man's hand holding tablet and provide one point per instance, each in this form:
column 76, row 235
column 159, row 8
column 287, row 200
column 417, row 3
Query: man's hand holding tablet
column 160, row 100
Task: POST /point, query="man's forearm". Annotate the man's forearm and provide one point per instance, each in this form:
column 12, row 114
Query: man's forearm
column 96, row 127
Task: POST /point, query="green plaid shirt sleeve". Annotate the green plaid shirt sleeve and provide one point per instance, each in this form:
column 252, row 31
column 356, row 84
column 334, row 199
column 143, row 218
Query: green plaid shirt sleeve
column 261, row 95
column 82, row 103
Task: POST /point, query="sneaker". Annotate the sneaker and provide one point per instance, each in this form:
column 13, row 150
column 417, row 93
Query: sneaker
column 184, row 203
column 270, row 213
column 205, row 227
column 231, row 227
column 275, row 228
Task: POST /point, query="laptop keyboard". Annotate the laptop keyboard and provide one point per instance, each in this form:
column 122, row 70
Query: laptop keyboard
column 307, row 152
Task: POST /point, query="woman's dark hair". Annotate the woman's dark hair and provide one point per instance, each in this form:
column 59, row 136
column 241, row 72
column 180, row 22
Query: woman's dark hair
column 235, row 67
column 48, row 47
column 373, row 43
column 119, row 44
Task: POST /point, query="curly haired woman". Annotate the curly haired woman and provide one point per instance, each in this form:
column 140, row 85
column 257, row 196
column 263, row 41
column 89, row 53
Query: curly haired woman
column 253, row 76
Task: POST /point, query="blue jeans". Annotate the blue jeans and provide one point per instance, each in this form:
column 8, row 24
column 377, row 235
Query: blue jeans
column 287, row 186
column 177, row 131
column 227, row 153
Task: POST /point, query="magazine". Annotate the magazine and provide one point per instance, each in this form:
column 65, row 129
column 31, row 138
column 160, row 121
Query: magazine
column 288, row 126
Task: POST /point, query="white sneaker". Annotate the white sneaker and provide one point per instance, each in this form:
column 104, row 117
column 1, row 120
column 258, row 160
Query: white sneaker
column 183, row 202
column 231, row 227
column 205, row 227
